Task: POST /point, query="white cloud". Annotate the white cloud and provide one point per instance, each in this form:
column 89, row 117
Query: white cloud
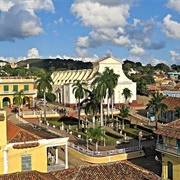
column 60, row 20
column 82, row 52
column 55, row 57
column 29, row 5
column 91, row 59
column 33, row 53
column 5, row 6
column 122, row 41
column 174, row 4
column 4, row 59
column 154, row 61
column 171, row 28
column 108, row 20
column 135, row 50
column 175, row 57
column 98, row 15
column 72, row 57
column 83, row 41
column 19, row 20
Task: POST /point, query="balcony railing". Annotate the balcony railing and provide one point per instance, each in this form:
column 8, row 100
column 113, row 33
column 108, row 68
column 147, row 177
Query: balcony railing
column 103, row 153
column 13, row 92
column 56, row 167
column 173, row 150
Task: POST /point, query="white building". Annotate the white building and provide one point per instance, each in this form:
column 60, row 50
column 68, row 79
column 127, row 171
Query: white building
column 63, row 81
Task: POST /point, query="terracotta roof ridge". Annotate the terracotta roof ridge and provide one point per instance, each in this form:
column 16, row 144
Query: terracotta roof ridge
column 36, row 136
column 12, row 124
column 79, row 169
column 18, row 130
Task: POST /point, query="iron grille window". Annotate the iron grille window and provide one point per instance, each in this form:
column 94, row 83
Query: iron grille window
column 26, row 162
column 6, row 88
column 15, row 88
column 26, row 87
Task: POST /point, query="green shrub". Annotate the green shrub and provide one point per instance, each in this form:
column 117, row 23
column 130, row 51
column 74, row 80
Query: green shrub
column 50, row 97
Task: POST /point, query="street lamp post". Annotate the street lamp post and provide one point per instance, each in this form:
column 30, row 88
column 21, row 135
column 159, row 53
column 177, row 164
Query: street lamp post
column 140, row 137
column 87, row 139
column 40, row 121
column 147, row 114
column 47, row 124
column 104, row 138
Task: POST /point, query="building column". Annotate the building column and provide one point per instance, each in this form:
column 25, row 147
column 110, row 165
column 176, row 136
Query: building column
column 5, row 161
column 33, row 102
column 11, row 102
column 56, row 154
column 1, row 103
column 66, row 156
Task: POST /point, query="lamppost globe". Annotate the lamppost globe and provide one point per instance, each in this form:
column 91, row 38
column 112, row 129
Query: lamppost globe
column 140, row 137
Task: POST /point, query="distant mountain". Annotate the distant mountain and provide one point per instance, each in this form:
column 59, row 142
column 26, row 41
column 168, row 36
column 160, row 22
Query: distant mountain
column 68, row 64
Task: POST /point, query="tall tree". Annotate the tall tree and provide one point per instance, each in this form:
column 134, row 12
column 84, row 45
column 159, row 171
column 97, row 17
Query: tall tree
column 79, row 91
column 44, row 84
column 177, row 112
column 92, row 105
column 99, row 84
column 127, row 94
column 112, row 80
column 18, row 99
column 124, row 113
column 156, row 103
column 96, row 134
column 104, row 84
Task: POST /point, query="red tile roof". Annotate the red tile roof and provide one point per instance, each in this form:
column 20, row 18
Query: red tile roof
column 177, row 86
column 170, row 130
column 28, row 175
column 16, row 134
column 172, row 102
column 102, row 59
column 123, row 170
column 153, row 87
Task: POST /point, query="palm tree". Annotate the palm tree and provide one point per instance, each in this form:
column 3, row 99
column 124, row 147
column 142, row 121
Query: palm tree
column 124, row 113
column 127, row 94
column 44, row 84
column 79, row 92
column 96, row 134
column 112, row 80
column 99, row 84
column 103, row 83
column 92, row 104
column 177, row 112
column 156, row 103
column 18, row 99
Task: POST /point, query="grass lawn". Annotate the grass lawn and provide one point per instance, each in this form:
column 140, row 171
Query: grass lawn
column 64, row 120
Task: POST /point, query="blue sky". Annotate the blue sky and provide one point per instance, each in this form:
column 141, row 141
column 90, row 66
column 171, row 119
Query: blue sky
column 146, row 31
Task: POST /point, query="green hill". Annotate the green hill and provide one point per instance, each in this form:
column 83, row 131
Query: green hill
column 56, row 63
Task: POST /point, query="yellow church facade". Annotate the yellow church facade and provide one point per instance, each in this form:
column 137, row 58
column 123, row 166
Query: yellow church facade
column 11, row 84
column 26, row 148
column 63, row 81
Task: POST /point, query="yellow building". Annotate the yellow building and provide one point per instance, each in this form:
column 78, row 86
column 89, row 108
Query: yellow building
column 63, row 81
column 27, row 147
column 11, row 84
column 170, row 150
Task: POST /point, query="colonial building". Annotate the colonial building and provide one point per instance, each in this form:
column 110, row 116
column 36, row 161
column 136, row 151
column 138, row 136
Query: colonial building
column 63, row 81
column 169, row 115
column 9, row 85
column 27, row 147
column 170, row 149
